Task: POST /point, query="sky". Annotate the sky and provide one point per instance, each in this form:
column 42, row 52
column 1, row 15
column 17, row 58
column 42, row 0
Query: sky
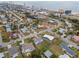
column 70, row 5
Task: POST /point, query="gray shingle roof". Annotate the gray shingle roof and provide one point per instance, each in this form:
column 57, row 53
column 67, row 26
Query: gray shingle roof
column 12, row 51
column 28, row 46
column 48, row 54
column 37, row 40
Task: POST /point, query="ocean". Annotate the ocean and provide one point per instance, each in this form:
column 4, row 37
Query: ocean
column 67, row 5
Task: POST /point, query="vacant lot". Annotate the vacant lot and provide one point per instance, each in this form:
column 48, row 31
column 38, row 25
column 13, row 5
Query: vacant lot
column 28, row 40
column 56, row 50
column 43, row 46
column 54, row 47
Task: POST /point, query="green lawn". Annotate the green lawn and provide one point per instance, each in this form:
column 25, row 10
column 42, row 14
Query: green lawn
column 28, row 40
column 19, row 56
column 26, row 33
column 56, row 50
column 17, row 43
column 5, row 37
column 55, row 30
column 6, row 40
column 6, row 55
column 3, row 49
column 36, row 54
column 40, row 48
column 43, row 46
column 56, row 41
column 54, row 47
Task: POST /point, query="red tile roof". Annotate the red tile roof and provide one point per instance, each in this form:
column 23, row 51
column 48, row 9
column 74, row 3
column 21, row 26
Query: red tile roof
column 76, row 38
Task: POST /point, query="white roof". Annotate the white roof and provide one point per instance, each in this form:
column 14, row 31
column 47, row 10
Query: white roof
column 44, row 13
column 51, row 21
column 64, row 56
column 1, row 55
column 2, row 16
column 29, row 19
column 49, row 37
column 8, row 29
column 24, row 29
column 9, row 46
column 61, row 30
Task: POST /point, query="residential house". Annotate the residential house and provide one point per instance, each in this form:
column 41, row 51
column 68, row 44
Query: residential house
column 76, row 38
column 8, row 27
column 2, row 16
column 1, row 55
column 43, row 13
column 34, row 26
column 2, row 45
column 13, row 51
column 43, row 26
column 29, row 20
column 54, row 22
column 27, row 47
column 41, row 16
column 68, row 50
column 69, row 24
column 61, row 30
column 32, row 17
column 48, row 37
column 13, row 35
column 48, row 53
column 37, row 40
column 24, row 29
column 64, row 56
column 70, row 45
